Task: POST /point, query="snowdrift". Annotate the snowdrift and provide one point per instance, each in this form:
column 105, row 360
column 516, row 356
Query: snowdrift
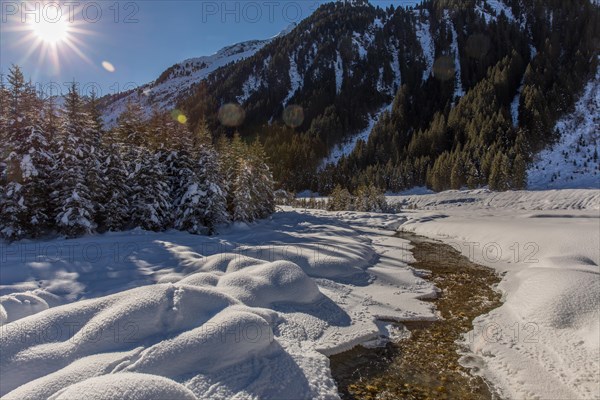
column 544, row 341
column 249, row 314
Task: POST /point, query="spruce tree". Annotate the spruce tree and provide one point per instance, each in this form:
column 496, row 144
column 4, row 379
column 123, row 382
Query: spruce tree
column 75, row 207
column 243, row 210
column 263, row 190
column 203, row 206
column 115, row 198
column 27, row 164
column 151, row 202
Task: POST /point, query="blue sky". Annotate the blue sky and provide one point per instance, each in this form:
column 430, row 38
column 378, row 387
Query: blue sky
column 139, row 38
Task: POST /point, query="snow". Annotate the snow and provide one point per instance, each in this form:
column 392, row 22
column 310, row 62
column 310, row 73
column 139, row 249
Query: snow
column 250, row 86
column 427, row 44
column 574, row 161
column 255, row 312
column 459, row 90
column 296, row 80
column 396, row 69
column 491, row 10
column 543, row 342
column 27, row 167
column 339, row 73
column 499, row 7
column 514, row 105
column 252, row 313
column 349, row 144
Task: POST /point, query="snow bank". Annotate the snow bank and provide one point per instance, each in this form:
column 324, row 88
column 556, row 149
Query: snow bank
column 543, row 342
column 129, row 386
column 572, row 199
column 252, row 313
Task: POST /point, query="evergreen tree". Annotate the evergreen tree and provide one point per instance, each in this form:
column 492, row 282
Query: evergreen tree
column 115, row 198
column 27, row 165
column 93, row 105
column 151, row 202
column 243, row 210
column 203, row 207
column 263, row 188
column 75, row 207
column 519, row 173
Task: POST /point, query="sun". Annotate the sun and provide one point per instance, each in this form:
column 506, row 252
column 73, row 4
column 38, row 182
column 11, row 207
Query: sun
column 51, row 32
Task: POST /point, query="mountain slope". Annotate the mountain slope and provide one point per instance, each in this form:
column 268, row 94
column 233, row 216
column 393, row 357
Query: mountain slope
column 178, row 80
column 446, row 94
column 573, row 162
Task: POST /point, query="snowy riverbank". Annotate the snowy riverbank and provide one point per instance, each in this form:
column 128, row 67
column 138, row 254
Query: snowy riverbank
column 544, row 341
column 255, row 312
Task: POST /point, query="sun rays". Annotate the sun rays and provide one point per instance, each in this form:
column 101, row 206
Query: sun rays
column 50, row 34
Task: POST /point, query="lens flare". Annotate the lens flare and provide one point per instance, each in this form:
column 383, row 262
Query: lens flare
column 179, row 116
column 444, row 68
column 108, row 66
column 293, row 116
column 232, row 115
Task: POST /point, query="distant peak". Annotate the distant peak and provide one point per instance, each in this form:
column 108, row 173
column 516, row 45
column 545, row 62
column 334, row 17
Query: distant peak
column 286, row 30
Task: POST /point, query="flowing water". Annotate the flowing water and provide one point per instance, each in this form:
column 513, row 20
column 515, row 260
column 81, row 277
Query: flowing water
column 426, row 365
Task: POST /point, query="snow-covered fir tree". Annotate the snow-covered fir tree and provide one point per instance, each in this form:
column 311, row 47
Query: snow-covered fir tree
column 73, row 197
column 117, row 190
column 243, row 207
column 151, row 203
column 59, row 172
column 203, row 206
column 27, row 161
column 230, row 153
column 263, row 189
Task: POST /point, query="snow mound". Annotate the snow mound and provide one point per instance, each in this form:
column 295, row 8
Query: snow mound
column 252, row 313
column 265, row 285
column 126, row 386
column 19, row 305
column 559, row 299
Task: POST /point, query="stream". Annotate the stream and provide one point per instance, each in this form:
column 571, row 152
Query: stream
column 426, row 364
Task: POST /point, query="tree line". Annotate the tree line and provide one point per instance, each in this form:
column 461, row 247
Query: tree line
column 534, row 65
column 62, row 173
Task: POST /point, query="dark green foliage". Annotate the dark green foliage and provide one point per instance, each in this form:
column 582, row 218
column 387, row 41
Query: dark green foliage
column 428, row 136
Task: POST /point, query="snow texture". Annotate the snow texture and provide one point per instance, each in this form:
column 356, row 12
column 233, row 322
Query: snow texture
column 543, row 342
column 427, row 44
column 349, row 144
column 574, row 161
column 249, row 314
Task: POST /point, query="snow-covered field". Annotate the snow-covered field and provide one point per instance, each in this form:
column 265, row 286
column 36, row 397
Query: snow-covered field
column 254, row 312
column 543, row 342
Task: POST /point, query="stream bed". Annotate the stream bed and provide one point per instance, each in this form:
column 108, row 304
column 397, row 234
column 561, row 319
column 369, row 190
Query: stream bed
column 426, row 364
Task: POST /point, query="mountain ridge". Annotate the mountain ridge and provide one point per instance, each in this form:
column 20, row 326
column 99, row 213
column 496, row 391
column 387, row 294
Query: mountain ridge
column 398, row 95
column 164, row 92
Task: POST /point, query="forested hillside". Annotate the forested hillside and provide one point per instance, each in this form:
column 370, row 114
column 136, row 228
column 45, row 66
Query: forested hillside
column 465, row 93
column 62, row 173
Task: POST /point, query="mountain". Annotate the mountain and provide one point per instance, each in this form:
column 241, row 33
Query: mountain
column 178, row 80
column 447, row 93
column 573, row 161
